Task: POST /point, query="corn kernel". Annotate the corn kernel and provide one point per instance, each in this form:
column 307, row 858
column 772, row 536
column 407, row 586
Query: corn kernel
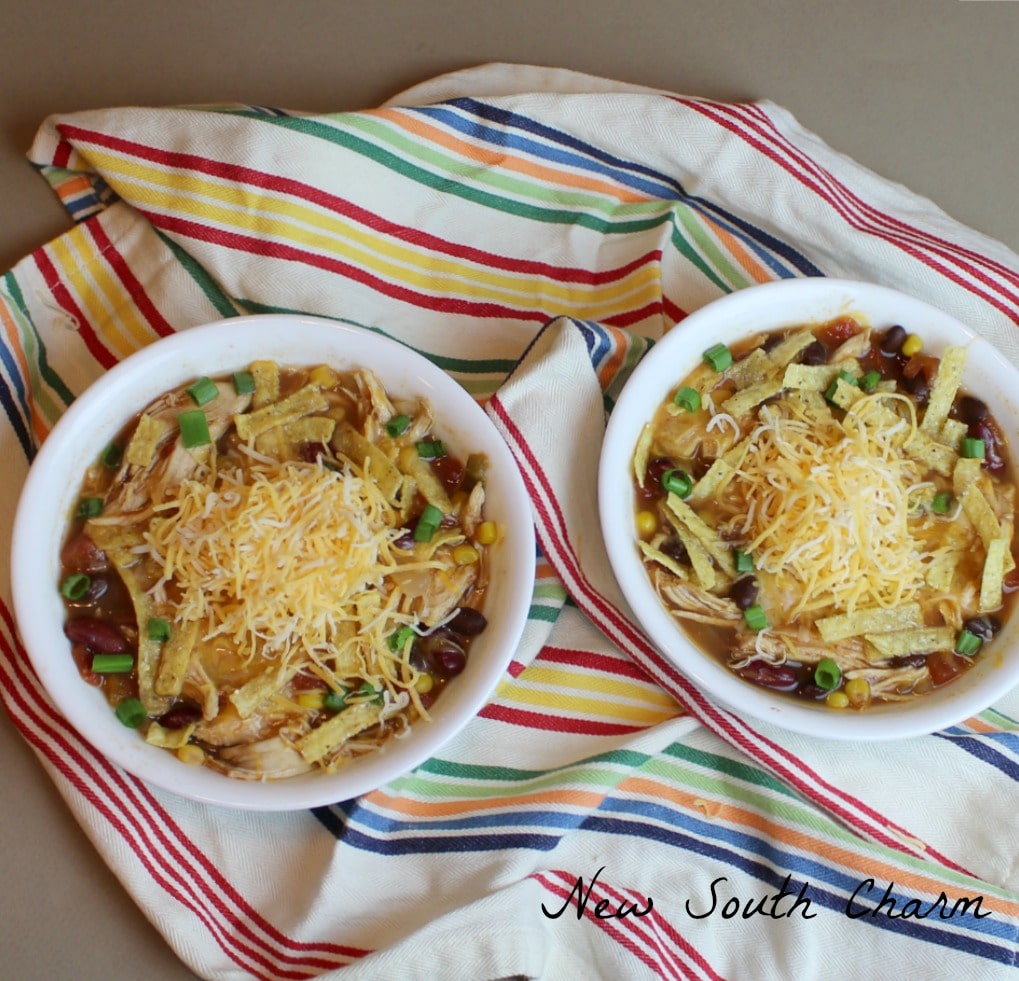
column 465, row 554
column 912, row 345
column 191, row 755
column 647, row 524
column 857, row 691
column 323, row 376
column 312, row 700
column 837, row 700
column 486, row 533
column 424, row 684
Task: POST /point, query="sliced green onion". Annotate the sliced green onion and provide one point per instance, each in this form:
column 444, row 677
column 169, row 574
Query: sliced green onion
column 244, row 382
column 112, row 456
column 744, row 561
column 158, row 629
column 870, row 380
column 75, row 586
column 755, row 617
column 431, row 449
column 972, row 448
column 942, row 502
column 688, row 398
column 202, row 391
column 89, row 507
column 334, row 701
column 967, row 643
column 398, row 425
column 718, row 356
column 131, row 712
column 367, row 690
column 194, row 429
column 427, row 524
column 677, row 482
column 398, row 638
column 827, row 674
column 112, row 663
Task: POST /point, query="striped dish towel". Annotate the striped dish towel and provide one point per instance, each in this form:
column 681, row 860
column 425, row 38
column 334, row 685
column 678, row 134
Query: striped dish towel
column 530, row 230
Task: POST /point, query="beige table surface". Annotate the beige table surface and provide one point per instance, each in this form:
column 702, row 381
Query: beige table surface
column 921, row 91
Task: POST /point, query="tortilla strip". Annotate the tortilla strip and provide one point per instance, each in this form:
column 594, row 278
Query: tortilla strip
column 873, row 620
column 322, row 740
column 900, row 643
column 266, row 375
column 929, row 451
column 747, row 398
column 978, row 509
column 716, row 475
column 350, row 443
column 654, row 555
column 641, row 454
column 147, row 436
column 754, row 368
column 783, row 352
column 173, row 663
column 303, row 402
column 252, row 693
column 944, row 390
column 811, row 377
column 991, row 596
column 967, row 471
column 703, row 532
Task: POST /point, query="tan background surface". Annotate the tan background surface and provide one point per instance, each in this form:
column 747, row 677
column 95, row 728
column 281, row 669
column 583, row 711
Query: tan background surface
column 921, row 91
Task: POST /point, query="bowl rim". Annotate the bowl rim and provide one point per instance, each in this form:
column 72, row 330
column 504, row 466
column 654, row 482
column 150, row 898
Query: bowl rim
column 226, row 345
column 727, row 319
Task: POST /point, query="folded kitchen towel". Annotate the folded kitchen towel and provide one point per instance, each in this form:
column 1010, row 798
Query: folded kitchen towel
column 532, row 231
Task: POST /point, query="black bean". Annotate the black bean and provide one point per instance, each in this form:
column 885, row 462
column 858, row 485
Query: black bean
column 970, row 409
column 814, row 353
column 180, row 716
column 744, row 592
column 811, row 689
column 676, row 551
column 893, row 339
column 468, row 622
column 920, row 388
column 908, row 661
column 985, row 627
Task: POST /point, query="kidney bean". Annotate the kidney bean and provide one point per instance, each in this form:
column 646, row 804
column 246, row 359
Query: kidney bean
column 781, row 677
column 468, row 622
column 994, row 455
column 180, row 716
column 448, row 657
column 744, row 592
column 97, row 635
column 656, row 468
column 81, row 554
column 908, row 661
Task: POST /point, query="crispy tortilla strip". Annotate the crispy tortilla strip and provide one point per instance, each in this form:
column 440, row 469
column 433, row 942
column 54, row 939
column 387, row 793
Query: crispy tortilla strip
column 157, row 735
column 266, row 375
column 944, row 390
column 991, row 596
column 320, row 742
column 717, row 474
column 641, row 454
column 845, row 393
column 751, row 370
column 934, row 454
column 302, row 403
column 347, row 441
column 967, row 471
column 978, row 509
column 420, row 472
column 952, row 433
column 875, row 620
column 941, row 570
column 748, row 398
column 254, row 692
column 703, row 532
column 783, row 352
column 899, row 643
column 173, row 663
column 654, row 555
column 310, row 429
column 148, row 434
column 811, row 377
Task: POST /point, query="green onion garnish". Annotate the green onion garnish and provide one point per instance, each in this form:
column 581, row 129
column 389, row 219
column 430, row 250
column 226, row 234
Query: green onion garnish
column 202, row 391
column 244, row 382
column 399, row 637
column 398, row 425
column 718, row 356
column 755, row 617
column 131, row 713
column 112, row 663
column 431, row 449
column 677, row 482
column 942, row 502
column 967, row 643
column 688, row 398
column 972, row 448
column 112, row 456
column 870, row 380
column 158, row 629
column 367, row 690
column 334, row 701
column 827, row 674
column 75, row 586
column 744, row 561
column 194, row 429
column 427, row 524
column 89, row 507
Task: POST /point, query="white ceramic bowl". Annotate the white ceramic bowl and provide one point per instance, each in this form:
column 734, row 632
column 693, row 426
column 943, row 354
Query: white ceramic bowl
column 770, row 307
column 95, row 418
